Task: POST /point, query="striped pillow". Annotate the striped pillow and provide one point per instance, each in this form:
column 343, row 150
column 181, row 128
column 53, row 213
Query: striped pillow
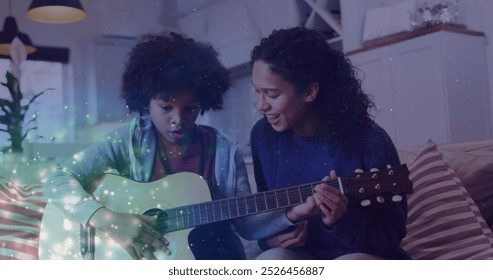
column 443, row 220
column 21, row 210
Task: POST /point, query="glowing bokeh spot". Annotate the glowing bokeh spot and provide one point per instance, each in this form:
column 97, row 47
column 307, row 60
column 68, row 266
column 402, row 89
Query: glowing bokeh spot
column 69, row 242
column 67, row 225
column 58, row 248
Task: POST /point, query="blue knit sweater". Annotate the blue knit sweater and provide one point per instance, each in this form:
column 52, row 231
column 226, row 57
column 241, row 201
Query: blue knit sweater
column 287, row 159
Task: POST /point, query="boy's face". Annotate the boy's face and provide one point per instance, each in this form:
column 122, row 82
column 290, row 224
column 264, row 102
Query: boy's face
column 175, row 119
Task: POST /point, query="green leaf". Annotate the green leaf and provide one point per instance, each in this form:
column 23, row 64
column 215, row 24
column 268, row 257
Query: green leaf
column 29, row 129
column 13, row 86
column 26, row 107
column 5, row 120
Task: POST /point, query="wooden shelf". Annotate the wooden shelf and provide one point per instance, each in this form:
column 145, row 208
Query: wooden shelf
column 396, row 38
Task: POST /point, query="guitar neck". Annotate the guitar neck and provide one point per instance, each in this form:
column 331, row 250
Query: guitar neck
column 359, row 185
column 225, row 209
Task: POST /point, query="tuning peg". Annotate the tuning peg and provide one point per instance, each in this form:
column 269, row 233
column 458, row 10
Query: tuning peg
column 359, row 171
column 391, row 171
column 380, row 199
column 397, row 198
column 365, row 202
column 374, row 176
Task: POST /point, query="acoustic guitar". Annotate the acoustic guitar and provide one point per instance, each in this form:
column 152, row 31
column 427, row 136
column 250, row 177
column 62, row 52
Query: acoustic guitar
column 185, row 202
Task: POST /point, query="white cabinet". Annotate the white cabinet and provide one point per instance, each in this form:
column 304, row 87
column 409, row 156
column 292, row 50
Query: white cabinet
column 429, row 84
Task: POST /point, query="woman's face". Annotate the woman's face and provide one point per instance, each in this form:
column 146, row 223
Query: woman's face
column 279, row 102
column 175, row 119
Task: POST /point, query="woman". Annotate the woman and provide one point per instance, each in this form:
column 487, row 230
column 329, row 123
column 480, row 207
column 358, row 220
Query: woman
column 169, row 80
column 316, row 120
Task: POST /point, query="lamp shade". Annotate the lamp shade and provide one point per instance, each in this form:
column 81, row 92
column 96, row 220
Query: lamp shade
column 7, row 35
column 56, row 11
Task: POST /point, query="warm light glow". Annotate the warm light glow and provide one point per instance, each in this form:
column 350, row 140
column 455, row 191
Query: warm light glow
column 56, row 14
column 5, row 49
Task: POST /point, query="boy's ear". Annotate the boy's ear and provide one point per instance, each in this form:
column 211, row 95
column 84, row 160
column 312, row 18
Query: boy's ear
column 312, row 92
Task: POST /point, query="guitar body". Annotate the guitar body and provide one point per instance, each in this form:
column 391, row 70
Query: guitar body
column 60, row 234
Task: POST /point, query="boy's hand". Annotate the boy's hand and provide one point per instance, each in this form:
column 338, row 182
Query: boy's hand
column 133, row 232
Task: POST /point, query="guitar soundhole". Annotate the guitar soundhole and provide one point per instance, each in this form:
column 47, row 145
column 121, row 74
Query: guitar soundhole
column 162, row 219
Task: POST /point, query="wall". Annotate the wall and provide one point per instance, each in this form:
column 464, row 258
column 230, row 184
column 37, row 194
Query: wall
column 234, row 27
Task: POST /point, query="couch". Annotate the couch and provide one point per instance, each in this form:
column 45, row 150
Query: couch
column 450, row 210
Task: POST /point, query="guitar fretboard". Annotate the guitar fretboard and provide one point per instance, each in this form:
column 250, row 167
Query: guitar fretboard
column 225, row 209
column 360, row 185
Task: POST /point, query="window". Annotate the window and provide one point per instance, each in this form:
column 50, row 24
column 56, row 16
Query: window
column 49, row 108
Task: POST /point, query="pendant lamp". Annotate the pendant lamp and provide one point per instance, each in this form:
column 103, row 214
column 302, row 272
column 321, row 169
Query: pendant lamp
column 8, row 34
column 56, row 11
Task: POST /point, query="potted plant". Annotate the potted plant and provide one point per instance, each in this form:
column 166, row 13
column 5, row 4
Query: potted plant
column 13, row 114
column 13, row 110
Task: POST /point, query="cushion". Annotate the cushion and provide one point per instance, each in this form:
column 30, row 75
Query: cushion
column 21, row 210
column 443, row 220
column 473, row 164
column 475, row 169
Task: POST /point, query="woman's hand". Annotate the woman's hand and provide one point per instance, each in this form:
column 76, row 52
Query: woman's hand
column 326, row 201
column 291, row 239
column 330, row 201
column 133, row 232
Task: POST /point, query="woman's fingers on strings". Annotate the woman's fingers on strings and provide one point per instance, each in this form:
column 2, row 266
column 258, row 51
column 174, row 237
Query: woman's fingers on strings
column 326, row 211
column 333, row 174
column 329, row 196
column 310, row 201
column 331, row 205
column 330, row 193
column 327, row 207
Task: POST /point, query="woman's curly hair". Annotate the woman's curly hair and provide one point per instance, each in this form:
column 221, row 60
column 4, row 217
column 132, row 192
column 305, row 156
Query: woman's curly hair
column 302, row 56
column 160, row 65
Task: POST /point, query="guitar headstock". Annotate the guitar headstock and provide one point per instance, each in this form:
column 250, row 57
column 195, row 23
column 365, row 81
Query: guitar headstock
column 393, row 180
